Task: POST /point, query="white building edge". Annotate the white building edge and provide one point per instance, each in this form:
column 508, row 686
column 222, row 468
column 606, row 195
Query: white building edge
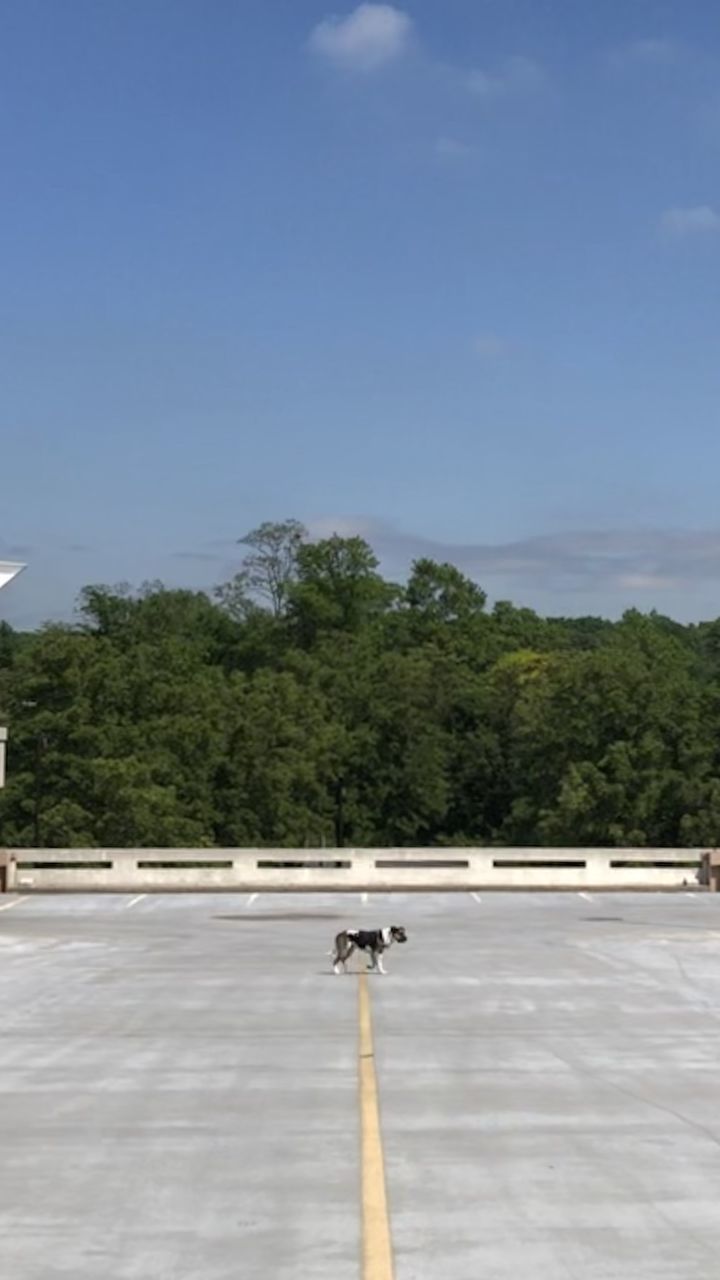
column 8, row 571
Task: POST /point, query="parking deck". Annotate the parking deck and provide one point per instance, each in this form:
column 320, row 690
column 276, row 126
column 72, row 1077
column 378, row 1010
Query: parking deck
column 180, row 1087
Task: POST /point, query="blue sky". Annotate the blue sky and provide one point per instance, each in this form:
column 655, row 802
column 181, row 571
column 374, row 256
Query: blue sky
column 443, row 274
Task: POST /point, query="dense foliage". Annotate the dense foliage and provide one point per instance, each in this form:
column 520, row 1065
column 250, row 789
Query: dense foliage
column 312, row 702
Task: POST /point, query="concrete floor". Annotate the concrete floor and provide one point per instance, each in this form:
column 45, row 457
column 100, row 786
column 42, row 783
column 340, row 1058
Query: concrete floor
column 179, row 1087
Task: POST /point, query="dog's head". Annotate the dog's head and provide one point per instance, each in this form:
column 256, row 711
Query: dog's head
column 398, row 933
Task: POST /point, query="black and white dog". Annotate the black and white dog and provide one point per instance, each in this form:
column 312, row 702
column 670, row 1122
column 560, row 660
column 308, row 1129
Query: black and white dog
column 374, row 941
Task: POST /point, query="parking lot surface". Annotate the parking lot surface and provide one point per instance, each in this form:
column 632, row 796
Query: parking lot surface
column 180, row 1086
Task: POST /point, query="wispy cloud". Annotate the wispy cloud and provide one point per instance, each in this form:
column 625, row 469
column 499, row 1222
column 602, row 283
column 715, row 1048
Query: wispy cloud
column 218, row 544
column 343, row 526
column 14, row 550
column 447, row 148
column 373, row 35
column 648, row 582
column 515, row 76
column 203, row 557
column 490, row 346
column 698, row 220
column 366, row 39
column 651, row 51
column 649, row 560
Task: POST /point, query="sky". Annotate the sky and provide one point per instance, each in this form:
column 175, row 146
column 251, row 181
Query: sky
column 443, row 275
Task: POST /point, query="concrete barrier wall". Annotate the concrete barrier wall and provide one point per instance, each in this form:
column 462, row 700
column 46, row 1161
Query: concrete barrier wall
column 265, row 870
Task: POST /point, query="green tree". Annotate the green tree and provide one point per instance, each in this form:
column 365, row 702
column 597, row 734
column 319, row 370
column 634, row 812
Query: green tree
column 440, row 593
column 313, row 702
column 338, row 588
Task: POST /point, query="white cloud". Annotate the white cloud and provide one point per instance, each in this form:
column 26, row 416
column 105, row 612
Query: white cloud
column 699, row 220
column 369, row 37
column 516, row 76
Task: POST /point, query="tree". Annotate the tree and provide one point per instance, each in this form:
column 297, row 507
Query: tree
column 272, row 779
column 440, row 593
column 338, row 588
column 9, row 644
column 269, row 569
column 317, row 703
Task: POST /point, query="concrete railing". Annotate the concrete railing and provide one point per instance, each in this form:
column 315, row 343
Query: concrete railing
column 267, row 870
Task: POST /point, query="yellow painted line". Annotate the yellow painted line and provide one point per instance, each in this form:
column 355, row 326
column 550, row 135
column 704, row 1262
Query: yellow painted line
column 377, row 1255
column 15, row 902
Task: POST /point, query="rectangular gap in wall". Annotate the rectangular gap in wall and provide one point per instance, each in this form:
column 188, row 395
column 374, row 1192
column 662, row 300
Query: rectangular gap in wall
column 546, row 863
column 194, row 864
column 399, row 864
column 64, row 866
column 267, row 864
column 659, row 863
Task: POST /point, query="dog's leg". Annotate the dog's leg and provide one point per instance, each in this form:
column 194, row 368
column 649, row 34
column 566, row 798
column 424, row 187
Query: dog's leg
column 343, row 956
column 380, row 965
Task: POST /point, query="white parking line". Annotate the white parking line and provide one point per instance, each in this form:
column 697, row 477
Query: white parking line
column 15, row 902
column 586, row 896
column 251, row 899
column 132, row 901
column 476, row 896
column 363, row 897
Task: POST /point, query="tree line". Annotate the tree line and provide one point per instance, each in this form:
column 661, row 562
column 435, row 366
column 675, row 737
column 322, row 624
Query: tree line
column 310, row 702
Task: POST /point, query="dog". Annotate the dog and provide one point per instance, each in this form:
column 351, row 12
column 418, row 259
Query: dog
column 374, row 941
